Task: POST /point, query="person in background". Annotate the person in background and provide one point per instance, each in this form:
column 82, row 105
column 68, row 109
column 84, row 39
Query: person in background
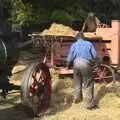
column 81, row 55
column 90, row 23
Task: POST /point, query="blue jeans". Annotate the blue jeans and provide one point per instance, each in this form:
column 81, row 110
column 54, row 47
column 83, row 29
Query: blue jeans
column 83, row 74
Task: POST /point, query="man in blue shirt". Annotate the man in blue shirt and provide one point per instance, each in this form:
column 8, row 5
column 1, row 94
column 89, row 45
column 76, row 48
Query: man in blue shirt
column 81, row 54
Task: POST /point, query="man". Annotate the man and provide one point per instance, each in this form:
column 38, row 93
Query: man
column 90, row 23
column 81, row 54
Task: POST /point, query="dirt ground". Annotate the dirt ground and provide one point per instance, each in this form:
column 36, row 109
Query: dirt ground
column 106, row 95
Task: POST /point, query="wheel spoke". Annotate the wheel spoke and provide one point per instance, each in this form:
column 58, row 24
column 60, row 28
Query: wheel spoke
column 104, row 74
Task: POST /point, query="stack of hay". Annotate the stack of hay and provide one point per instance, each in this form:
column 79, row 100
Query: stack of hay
column 62, row 30
column 58, row 30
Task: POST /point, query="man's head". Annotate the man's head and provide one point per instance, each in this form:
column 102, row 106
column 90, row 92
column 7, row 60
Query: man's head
column 79, row 35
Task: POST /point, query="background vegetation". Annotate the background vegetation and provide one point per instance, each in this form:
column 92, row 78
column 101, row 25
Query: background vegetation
column 31, row 13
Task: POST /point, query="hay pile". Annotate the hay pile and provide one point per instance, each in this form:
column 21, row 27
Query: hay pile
column 62, row 30
column 58, row 30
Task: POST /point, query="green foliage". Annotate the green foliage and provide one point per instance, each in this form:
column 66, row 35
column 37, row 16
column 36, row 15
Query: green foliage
column 21, row 13
column 29, row 12
column 62, row 16
column 7, row 3
column 41, row 15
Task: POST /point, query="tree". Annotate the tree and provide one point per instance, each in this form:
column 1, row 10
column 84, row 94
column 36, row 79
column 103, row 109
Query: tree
column 30, row 12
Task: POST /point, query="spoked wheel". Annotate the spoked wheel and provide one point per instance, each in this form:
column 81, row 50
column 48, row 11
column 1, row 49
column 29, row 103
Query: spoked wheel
column 104, row 74
column 36, row 87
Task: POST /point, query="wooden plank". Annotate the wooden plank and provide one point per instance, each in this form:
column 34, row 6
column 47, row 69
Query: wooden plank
column 64, row 71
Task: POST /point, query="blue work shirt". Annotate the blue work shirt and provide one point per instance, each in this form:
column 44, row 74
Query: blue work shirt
column 81, row 49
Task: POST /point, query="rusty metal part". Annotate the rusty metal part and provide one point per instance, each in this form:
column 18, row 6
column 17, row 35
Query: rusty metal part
column 104, row 73
column 41, row 88
column 36, row 88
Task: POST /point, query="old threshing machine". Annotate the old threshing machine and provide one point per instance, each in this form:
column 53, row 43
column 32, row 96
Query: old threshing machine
column 107, row 44
column 59, row 45
column 36, row 86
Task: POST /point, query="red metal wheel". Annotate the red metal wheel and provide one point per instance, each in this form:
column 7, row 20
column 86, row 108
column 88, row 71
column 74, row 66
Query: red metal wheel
column 36, row 88
column 104, row 73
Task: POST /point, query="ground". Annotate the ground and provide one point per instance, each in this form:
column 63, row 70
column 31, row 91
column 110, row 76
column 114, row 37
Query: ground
column 107, row 96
